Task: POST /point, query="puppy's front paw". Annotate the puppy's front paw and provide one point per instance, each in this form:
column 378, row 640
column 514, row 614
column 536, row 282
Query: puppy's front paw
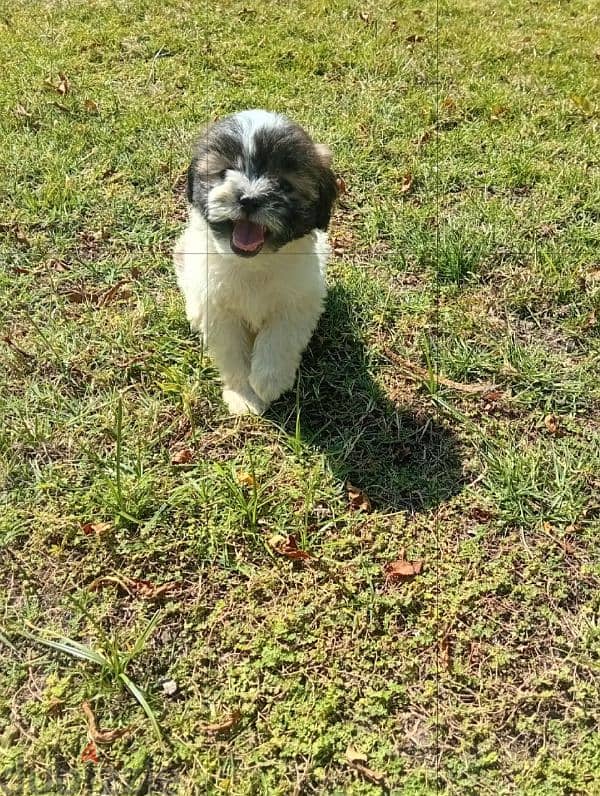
column 243, row 402
column 270, row 384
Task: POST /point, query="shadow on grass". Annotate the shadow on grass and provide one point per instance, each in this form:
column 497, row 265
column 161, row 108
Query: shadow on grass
column 403, row 459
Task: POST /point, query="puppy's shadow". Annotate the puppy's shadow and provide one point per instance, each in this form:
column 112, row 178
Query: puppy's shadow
column 402, row 458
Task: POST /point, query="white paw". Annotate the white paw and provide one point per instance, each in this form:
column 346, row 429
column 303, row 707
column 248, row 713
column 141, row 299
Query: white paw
column 243, row 402
column 269, row 385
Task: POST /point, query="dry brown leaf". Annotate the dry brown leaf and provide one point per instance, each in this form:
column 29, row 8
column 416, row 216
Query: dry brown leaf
column 102, row 736
column 568, row 547
column 246, row 479
column 417, row 372
column 341, row 185
column 227, row 723
column 144, row 589
column 449, row 104
column 446, row 649
column 357, row 760
column 480, row 514
column 414, row 38
column 552, row 423
column 91, row 106
column 359, row 500
column 78, row 294
column 62, row 86
column 402, row 570
column 182, row 456
column 56, row 265
column 424, row 137
column 96, row 528
column 109, row 295
column 90, row 753
column 407, row 181
column 288, row 546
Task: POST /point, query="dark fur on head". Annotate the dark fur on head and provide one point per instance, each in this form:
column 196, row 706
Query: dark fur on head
column 270, row 159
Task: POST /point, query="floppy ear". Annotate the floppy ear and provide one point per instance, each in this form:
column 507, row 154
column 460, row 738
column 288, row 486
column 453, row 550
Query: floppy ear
column 324, row 155
column 191, row 175
column 328, row 192
column 200, row 150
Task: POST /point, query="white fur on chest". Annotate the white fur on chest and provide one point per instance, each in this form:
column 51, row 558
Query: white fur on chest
column 214, row 280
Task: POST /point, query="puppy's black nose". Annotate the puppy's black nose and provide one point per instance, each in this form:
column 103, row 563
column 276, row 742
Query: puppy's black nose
column 250, row 203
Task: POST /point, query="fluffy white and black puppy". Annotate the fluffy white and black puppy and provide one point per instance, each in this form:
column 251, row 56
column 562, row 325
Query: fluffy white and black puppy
column 251, row 262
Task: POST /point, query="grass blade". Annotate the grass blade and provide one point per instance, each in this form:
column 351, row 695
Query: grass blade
column 70, row 647
column 139, row 644
column 141, row 699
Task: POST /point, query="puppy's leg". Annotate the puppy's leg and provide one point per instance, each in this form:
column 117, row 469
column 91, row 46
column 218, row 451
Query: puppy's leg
column 277, row 351
column 229, row 344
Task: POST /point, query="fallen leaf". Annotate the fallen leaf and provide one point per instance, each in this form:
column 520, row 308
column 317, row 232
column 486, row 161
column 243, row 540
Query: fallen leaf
column 417, row 372
column 424, row 137
column 359, row 500
column 552, row 423
column 90, row 753
column 246, row 479
column 56, row 265
column 225, row 725
column 109, row 295
column 446, row 647
column 403, row 570
column 414, row 38
column 101, row 736
column 407, row 181
column 78, row 294
column 357, row 760
column 497, row 112
column 493, row 395
column 341, row 185
column 91, row 106
column 144, row 589
column 480, row 514
column 62, row 86
column 449, row 104
column 288, row 546
column 182, row 456
column 14, row 347
column 96, row 528
column 568, row 547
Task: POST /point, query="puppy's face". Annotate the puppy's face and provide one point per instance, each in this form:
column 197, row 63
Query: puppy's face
column 260, row 182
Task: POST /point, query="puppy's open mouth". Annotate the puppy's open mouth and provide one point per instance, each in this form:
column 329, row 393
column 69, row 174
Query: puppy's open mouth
column 247, row 238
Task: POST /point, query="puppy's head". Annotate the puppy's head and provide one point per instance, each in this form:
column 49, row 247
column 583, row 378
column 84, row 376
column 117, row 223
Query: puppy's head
column 260, row 181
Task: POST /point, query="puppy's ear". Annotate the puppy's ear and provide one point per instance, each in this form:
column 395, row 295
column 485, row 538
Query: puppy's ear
column 328, row 192
column 191, row 176
column 324, row 155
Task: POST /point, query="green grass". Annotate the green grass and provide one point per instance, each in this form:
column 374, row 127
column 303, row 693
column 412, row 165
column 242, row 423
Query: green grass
column 481, row 675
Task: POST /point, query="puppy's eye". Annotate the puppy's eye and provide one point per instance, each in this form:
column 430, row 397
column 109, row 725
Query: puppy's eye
column 286, row 185
column 223, row 174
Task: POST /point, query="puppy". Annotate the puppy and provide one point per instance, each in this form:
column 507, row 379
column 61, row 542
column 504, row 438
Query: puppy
column 251, row 262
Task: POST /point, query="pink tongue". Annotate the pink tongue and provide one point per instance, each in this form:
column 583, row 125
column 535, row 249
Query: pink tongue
column 248, row 236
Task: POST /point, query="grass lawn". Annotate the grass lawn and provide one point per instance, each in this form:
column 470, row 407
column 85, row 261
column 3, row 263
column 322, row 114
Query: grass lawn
column 140, row 521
